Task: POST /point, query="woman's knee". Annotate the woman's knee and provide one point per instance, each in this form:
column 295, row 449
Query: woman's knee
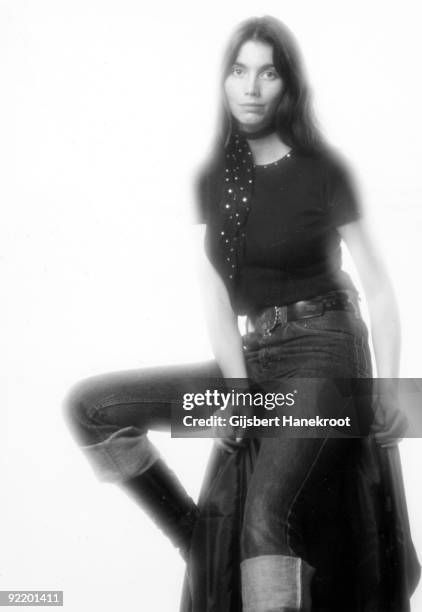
column 80, row 405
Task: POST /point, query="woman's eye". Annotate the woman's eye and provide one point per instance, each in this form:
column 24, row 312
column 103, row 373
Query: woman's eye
column 237, row 70
column 270, row 74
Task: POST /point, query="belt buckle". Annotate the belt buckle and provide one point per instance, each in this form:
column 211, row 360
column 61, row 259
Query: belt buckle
column 277, row 315
column 281, row 315
column 269, row 321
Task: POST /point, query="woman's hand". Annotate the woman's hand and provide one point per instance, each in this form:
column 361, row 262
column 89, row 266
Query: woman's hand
column 233, row 437
column 390, row 423
column 229, row 445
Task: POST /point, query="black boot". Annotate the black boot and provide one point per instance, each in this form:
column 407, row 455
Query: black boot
column 163, row 497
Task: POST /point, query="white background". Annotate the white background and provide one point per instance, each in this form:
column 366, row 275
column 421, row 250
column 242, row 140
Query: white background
column 107, row 108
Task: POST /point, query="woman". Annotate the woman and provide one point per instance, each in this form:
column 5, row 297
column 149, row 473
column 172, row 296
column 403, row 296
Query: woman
column 276, row 203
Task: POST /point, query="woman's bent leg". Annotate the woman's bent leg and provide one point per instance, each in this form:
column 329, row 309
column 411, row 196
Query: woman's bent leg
column 110, row 416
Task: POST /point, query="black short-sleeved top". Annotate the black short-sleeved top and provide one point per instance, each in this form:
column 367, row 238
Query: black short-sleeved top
column 292, row 246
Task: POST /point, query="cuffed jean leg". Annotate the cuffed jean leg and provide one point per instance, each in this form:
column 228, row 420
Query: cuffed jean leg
column 111, row 414
column 274, row 577
column 116, row 450
column 274, row 571
column 122, row 455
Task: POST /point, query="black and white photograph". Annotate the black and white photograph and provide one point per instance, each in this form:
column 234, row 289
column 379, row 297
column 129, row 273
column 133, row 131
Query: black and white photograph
column 210, row 261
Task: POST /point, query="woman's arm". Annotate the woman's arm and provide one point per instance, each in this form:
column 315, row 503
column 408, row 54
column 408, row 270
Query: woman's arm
column 224, row 334
column 390, row 424
column 225, row 337
column 382, row 304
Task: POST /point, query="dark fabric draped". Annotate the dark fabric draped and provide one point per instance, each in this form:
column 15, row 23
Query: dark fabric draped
column 356, row 534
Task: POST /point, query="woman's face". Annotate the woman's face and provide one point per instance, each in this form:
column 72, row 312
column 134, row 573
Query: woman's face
column 253, row 87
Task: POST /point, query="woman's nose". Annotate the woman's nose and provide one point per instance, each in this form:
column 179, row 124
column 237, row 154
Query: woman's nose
column 252, row 87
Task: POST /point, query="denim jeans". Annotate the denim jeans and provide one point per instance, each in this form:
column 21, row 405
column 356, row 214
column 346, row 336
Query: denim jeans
column 111, row 414
column 275, row 574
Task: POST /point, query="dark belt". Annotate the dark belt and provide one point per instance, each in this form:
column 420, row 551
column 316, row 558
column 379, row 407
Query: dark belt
column 270, row 318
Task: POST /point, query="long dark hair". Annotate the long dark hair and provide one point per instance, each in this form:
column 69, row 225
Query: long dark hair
column 294, row 123
column 294, row 118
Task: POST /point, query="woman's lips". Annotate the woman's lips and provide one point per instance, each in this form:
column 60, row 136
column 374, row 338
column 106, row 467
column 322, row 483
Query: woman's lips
column 252, row 108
